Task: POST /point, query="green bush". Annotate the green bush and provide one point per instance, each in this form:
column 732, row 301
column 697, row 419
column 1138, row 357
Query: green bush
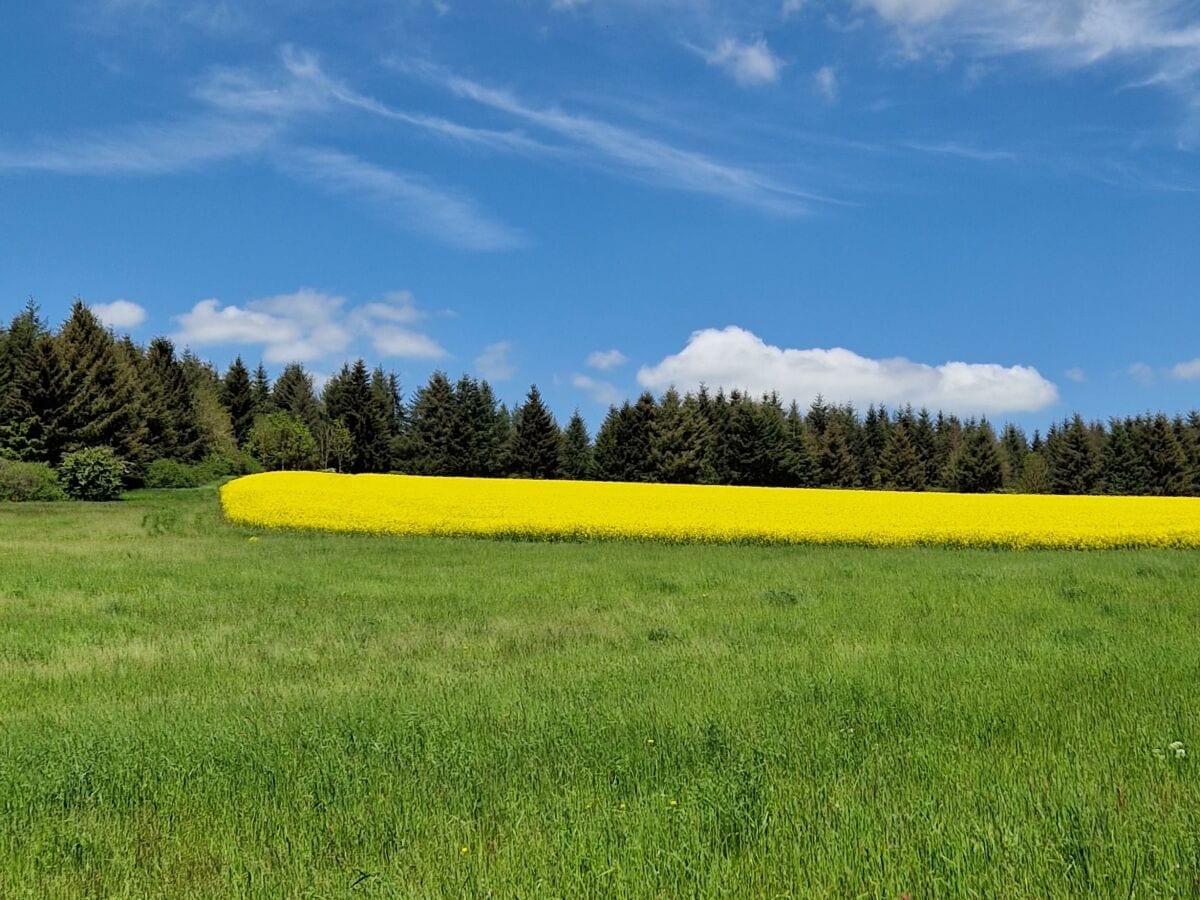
column 92, row 474
column 167, row 473
column 26, row 481
column 229, row 465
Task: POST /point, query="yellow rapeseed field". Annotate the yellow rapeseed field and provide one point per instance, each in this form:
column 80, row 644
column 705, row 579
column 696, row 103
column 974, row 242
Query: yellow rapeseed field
column 405, row 504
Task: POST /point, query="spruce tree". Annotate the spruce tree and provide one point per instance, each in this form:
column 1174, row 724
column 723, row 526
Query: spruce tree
column 436, row 433
column 48, row 400
column 1121, row 475
column 835, row 462
column 800, row 461
column 536, row 439
column 608, row 453
column 947, row 435
column 294, row 394
column 100, row 397
column 237, row 396
column 576, row 461
column 260, row 390
column 677, row 448
column 924, row 440
column 1075, row 462
column 350, row 399
column 975, row 467
column 1164, row 460
column 19, row 350
column 877, row 429
column 475, row 429
column 1013, row 447
column 900, row 468
column 173, row 430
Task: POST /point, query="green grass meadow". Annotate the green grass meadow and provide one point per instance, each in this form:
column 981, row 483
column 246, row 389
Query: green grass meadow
column 193, row 709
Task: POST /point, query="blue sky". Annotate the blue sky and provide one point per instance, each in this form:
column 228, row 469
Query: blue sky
column 991, row 206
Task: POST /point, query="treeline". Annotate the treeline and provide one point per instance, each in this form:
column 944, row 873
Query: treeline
column 83, row 387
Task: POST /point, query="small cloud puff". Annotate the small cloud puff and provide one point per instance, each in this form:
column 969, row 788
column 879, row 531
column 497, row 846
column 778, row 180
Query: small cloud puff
column 604, row 360
column 749, row 64
column 120, row 313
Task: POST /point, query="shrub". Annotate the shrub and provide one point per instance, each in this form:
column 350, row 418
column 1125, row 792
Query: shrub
column 167, row 473
column 92, row 474
column 26, row 481
column 229, row 465
column 282, row 441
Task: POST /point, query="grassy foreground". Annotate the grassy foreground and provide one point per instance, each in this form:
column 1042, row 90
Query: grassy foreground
column 186, row 711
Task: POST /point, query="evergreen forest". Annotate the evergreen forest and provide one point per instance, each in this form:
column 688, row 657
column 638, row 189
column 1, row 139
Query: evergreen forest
column 82, row 386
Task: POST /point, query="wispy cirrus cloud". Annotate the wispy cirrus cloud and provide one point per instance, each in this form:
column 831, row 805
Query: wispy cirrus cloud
column 636, row 155
column 1159, row 39
column 409, row 200
column 147, row 149
column 255, row 114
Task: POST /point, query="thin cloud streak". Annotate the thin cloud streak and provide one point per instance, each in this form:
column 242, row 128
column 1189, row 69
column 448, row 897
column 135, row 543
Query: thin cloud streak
column 143, row 149
column 646, row 158
column 411, row 201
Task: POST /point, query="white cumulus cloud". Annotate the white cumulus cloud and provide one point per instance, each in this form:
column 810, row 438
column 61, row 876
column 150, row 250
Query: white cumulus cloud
column 750, row 63
column 604, row 360
column 308, row 325
column 120, row 313
column 733, row 358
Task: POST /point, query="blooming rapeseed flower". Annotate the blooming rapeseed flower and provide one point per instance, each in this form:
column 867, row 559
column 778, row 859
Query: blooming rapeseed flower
column 408, row 504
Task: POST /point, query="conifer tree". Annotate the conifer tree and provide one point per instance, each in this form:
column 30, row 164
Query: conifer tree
column 800, row 462
column 677, row 451
column 19, row 420
column 924, row 440
column 1013, row 448
column 1075, row 462
column 576, row 461
column 623, row 441
column 260, row 391
column 947, row 435
column 1164, row 460
column 876, row 434
column 536, row 439
column 169, row 406
column 1121, row 465
column 237, row 396
column 100, row 399
column 350, row 399
column 294, row 394
column 435, row 447
column 975, row 467
column 900, row 469
column 835, row 462
column 609, row 451
column 475, row 428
